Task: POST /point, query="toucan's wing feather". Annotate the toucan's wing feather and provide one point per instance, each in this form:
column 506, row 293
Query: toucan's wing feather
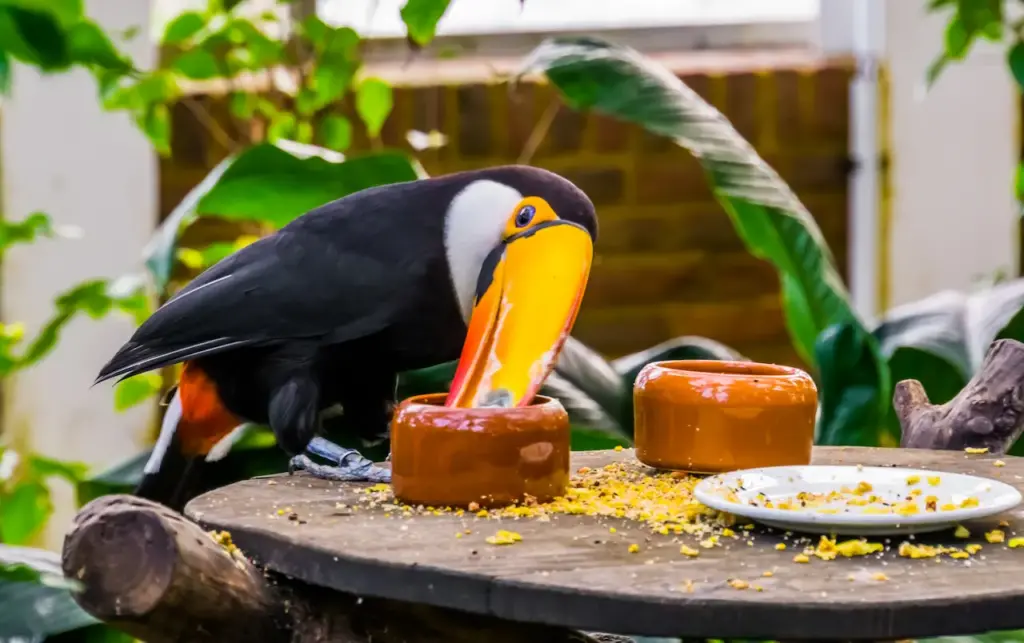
column 327, row 276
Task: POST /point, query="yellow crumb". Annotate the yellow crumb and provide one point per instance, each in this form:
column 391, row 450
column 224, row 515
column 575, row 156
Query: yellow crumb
column 504, row 537
column 709, row 542
column 934, row 480
column 969, row 501
column 728, row 533
column 959, row 554
column 688, row 551
column 768, row 574
column 995, row 536
column 739, row 584
column 914, row 479
column 611, row 530
column 458, row 534
column 999, row 463
column 474, row 507
column 879, row 576
column 634, row 548
column 852, row 548
column 618, row 447
column 973, row 548
column 1016, row 542
column 379, row 487
column 976, row 450
column 961, row 532
column 800, row 558
column 780, row 546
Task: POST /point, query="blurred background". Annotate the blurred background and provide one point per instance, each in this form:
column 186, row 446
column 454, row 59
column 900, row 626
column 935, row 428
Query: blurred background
column 143, row 140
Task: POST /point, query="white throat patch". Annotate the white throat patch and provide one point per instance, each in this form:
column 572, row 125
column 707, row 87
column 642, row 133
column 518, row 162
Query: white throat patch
column 472, row 227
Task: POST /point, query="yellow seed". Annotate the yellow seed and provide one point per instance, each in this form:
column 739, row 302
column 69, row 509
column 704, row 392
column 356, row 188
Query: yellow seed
column 973, row 548
column 688, row 551
column 634, row 548
column 914, row 479
column 780, row 546
column 976, row 450
column 934, row 480
column 962, row 532
column 611, row 530
column 1016, row 542
column 800, row 558
column 768, row 574
column 995, row 536
column 739, row 584
column 458, row 534
column 999, row 463
column 618, row 447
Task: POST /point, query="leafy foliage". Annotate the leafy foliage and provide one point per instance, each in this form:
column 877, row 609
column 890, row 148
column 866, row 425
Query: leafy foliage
column 617, row 81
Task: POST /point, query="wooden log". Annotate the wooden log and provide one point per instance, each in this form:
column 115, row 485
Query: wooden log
column 158, row 576
column 987, row 413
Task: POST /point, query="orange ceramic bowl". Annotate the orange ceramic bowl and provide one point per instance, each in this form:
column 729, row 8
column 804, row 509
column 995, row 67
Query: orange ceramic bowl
column 706, row 416
column 453, row 457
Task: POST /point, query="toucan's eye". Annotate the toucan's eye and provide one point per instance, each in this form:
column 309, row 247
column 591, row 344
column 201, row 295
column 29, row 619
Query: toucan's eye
column 525, row 216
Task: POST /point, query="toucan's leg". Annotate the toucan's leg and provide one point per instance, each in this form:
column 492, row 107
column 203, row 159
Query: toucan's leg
column 350, row 465
column 366, row 409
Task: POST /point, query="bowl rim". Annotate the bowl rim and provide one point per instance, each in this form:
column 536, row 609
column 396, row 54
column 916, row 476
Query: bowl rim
column 539, row 404
column 733, row 369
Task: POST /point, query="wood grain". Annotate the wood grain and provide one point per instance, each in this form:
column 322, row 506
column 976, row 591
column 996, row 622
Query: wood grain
column 573, row 572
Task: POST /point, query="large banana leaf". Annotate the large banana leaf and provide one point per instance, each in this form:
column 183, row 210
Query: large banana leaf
column 617, row 81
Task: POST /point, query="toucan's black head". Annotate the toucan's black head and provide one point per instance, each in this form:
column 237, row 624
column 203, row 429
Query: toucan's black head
column 519, row 243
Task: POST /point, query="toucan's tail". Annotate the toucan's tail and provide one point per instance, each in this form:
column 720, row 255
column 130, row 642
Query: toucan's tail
column 172, row 476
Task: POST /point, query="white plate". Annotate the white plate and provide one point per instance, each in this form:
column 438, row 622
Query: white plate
column 746, row 493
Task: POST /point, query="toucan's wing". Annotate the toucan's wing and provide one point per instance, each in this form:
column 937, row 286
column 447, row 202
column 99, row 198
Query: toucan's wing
column 324, row 277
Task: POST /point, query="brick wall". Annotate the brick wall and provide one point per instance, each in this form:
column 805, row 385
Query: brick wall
column 668, row 261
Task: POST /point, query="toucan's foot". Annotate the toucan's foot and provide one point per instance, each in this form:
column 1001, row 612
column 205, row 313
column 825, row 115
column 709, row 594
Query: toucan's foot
column 350, row 465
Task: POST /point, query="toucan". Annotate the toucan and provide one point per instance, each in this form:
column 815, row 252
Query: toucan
column 487, row 267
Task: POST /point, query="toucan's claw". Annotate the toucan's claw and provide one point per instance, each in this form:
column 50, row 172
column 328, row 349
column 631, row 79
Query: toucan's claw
column 351, row 466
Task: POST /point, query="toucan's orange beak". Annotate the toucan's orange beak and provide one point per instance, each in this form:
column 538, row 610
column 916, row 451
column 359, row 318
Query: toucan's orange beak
column 527, row 298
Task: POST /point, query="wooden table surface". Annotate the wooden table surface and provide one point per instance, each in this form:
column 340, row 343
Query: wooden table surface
column 573, row 571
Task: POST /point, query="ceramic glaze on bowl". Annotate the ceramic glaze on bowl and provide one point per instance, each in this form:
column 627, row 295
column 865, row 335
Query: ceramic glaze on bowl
column 706, row 416
column 446, row 456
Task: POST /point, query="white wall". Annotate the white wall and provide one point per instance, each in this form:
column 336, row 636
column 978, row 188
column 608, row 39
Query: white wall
column 63, row 155
column 955, row 151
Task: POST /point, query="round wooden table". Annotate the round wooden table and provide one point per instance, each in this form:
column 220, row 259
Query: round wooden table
column 573, row 571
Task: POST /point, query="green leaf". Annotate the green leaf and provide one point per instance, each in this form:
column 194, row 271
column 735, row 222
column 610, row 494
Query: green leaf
column 36, row 597
column 853, row 390
column 89, row 45
column 43, row 467
column 282, row 126
column 136, row 390
column 335, row 132
column 28, row 230
column 156, row 125
column 5, row 73
column 243, row 105
column 159, row 253
column 24, row 512
column 936, row 68
column 1005, row 636
column 1020, row 182
column 1015, row 58
column 64, row 12
column 183, row 27
column 774, row 225
column 958, row 39
column 268, row 184
column 373, row 104
column 421, row 18
column 34, row 37
column 197, row 64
